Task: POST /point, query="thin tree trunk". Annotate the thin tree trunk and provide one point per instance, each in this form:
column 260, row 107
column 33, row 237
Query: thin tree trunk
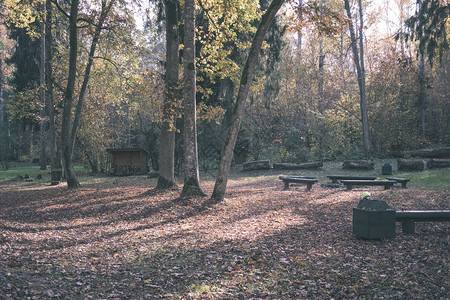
column 359, row 64
column 298, row 79
column 191, row 185
column 364, row 112
column 69, row 172
column 421, row 96
column 98, row 28
column 42, row 123
column 239, row 108
column 55, row 155
column 166, row 177
column 2, row 119
column 321, row 64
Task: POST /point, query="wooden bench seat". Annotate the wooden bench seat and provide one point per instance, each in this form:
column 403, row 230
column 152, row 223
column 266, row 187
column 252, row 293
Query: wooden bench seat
column 335, row 178
column 408, row 218
column 403, row 181
column 350, row 183
column 309, row 181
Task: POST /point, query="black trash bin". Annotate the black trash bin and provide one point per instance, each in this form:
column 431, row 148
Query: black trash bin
column 373, row 219
column 386, row 169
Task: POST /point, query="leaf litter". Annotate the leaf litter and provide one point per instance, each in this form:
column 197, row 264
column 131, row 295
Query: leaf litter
column 134, row 242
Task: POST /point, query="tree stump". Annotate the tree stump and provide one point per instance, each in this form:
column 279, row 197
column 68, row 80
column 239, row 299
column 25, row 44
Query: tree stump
column 288, row 166
column 358, row 165
column 256, row 165
column 410, row 164
column 438, row 163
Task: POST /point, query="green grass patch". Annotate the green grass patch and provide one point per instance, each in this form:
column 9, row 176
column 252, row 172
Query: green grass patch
column 428, row 179
column 20, row 172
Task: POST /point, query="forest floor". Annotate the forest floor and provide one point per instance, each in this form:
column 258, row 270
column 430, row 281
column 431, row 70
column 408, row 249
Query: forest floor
column 125, row 240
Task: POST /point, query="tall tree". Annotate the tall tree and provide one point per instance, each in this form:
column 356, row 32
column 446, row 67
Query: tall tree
column 69, row 172
column 240, row 105
column 191, row 185
column 360, row 70
column 42, row 121
column 166, row 177
column 69, row 129
column 105, row 10
column 55, row 155
column 429, row 26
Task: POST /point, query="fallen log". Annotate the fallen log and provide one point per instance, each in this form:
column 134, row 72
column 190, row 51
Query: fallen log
column 410, row 164
column 438, row 163
column 289, row 166
column 256, row 165
column 358, row 165
column 440, row 152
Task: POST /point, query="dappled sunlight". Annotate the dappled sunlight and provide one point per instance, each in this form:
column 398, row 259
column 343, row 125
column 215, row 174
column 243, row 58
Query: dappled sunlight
column 261, row 238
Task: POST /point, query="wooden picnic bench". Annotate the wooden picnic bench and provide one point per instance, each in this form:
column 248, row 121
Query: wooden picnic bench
column 408, row 218
column 403, row 181
column 335, row 178
column 309, row 181
column 350, row 183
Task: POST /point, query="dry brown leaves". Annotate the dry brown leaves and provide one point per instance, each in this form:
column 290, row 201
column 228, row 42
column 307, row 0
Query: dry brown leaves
column 133, row 242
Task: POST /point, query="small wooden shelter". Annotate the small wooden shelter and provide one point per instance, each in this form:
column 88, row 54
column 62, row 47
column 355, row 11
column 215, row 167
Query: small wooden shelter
column 128, row 161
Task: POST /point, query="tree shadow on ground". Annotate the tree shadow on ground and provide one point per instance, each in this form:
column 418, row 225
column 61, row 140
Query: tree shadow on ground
column 283, row 245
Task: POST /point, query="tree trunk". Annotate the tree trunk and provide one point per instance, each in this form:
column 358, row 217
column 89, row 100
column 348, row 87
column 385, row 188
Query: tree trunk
column 421, row 96
column 320, row 105
column 98, row 28
column 289, row 166
column 439, row 152
column 69, row 172
column 435, row 163
column 358, row 165
column 42, row 123
column 166, row 178
column 191, row 185
column 55, row 155
column 359, row 64
column 239, row 108
column 364, row 113
column 256, row 165
column 2, row 118
column 410, row 164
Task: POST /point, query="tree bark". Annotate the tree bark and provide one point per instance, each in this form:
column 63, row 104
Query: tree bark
column 98, row 28
column 2, row 118
column 359, row 64
column 358, row 165
column 256, row 165
column 421, row 96
column 289, row 166
column 166, row 177
column 440, row 152
column 69, row 172
column 191, row 185
column 410, row 164
column 435, row 163
column 43, row 122
column 239, row 108
column 55, row 155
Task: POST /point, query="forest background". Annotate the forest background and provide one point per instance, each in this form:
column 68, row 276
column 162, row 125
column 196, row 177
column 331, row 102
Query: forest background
column 304, row 103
